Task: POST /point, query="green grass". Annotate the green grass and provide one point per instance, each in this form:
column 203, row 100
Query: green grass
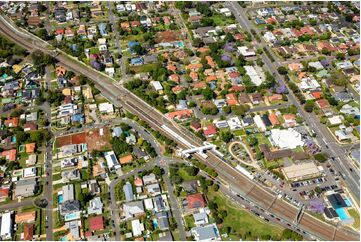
column 239, row 132
column 356, row 216
column 144, row 68
column 182, row 173
column 241, row 221
column 189, row 221
column 221, row 20
column 262, row 139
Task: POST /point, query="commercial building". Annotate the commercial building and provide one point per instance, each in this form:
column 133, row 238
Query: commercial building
column 286, row 138
column 301, row 171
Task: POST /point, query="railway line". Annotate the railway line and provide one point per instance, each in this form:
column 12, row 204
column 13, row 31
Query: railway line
column 121, row 97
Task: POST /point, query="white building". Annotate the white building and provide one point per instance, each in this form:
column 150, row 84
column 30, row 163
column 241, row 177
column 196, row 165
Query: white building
column 137, row 228
column 106, row 108
column 245, row 51
column 259, row 123
column 234, row 123
column 6, row 230
column 112, row 160
column 286, row 138
column 255, row 76
column 29, row 172
column 157, row 86
column 269, row 37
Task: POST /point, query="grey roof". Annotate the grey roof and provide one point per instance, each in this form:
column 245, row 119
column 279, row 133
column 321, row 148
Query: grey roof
column 68, row 192
column 159, row 203
column 25, row 188
column 167, row 237
column 207, row 232
column 128, row 191
column 70, row 207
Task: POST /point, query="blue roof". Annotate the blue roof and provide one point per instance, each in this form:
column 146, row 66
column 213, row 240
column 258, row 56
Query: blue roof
column 77, row 117
column 117, row 131
column 136, row 60
column 132, row 43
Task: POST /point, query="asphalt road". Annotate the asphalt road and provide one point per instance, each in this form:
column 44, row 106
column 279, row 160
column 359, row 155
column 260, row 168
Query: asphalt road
column 123, row 98
column 324, row 138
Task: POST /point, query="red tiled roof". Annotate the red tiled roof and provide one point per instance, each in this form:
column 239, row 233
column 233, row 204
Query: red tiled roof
column 274, row 120
column 9, row 155
column 96, row 223
column 210, row 130
column 231, row 99
column 4, row 192
column 322, row 103
column 316, row 95
column 186, row 113
column 196, row 201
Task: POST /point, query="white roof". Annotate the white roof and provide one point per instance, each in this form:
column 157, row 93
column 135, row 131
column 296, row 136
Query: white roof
column 245, row 51
column 254, row 75
column 259, row 123
column 30, row 171
column 137, row 227
column 148, row 203
column 234, row 123
column 157, row 86
column 6, row 225
column 112, row 160
column 316, row 65
column 106, row 107
column 335, row 120
column 286, row 138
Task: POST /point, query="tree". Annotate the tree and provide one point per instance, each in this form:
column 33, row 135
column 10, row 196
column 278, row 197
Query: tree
column 309, row 106
column 37, row 137
column 282, row 70
column 240, row 110
column 157, row 171
column 252, row 140
column 226, row 136
column 208, row 93
column 226, row 109
column 192, row 170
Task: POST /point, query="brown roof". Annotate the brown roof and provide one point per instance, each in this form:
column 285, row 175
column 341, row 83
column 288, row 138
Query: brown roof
column 28, row 232
column 274, row 155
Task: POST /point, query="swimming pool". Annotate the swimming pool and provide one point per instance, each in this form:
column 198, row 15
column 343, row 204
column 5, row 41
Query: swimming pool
column 72, row 216
column 342, row 213
column 60, row 199
column 348, row 202
column 155, row 223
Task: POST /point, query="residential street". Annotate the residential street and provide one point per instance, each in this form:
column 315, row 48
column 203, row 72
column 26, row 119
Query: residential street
column 324, row 137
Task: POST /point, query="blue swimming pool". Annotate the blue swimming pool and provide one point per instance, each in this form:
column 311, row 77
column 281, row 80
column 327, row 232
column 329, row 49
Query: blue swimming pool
column 342, row 213
column 72, row 216
column 348, row 202
column 155, row 223
column 60, row 199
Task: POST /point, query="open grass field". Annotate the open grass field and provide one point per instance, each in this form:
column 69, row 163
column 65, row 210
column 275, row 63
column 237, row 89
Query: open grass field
column 354, row 214
column 241, row 221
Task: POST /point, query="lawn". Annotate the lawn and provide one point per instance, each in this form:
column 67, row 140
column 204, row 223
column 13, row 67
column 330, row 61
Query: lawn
column 262, row 139
column 144, row 68
column 239, row 132
column 189, row 221
column 354, row 214
column 221, row 20
column 241, row 221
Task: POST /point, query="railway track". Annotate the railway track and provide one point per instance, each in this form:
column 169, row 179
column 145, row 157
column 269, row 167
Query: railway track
column 153, row 117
